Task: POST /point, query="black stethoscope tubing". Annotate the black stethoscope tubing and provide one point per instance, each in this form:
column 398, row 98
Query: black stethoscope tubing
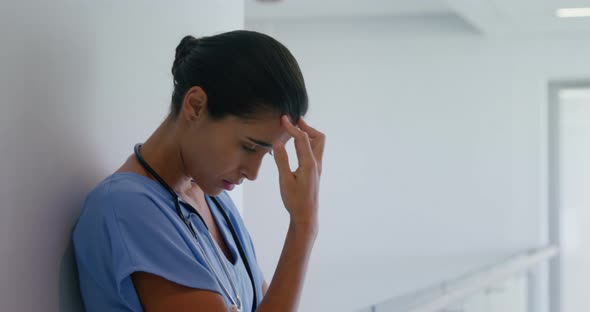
column 152, row 172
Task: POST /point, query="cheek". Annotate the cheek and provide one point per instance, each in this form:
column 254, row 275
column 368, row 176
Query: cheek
column 223, row 159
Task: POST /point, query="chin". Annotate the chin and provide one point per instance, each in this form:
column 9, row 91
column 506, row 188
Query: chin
column 212, row 191
column 217, row 192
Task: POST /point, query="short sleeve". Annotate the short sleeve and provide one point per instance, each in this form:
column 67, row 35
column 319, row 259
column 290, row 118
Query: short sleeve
column 149, row 237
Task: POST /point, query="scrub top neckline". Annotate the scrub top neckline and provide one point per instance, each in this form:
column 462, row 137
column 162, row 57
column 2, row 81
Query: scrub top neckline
column 214, row 213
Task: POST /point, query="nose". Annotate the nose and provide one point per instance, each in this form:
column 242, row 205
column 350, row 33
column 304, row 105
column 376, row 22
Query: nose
column 251, row 167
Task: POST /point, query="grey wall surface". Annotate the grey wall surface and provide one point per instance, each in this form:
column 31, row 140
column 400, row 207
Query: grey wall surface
column 80, row 83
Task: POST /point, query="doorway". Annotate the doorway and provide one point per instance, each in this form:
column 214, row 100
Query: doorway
column 569, row 195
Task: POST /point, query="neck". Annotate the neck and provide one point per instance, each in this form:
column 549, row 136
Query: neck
column 162, row 152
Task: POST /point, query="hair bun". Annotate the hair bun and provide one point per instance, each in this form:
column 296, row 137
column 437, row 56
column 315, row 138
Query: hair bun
column 185, row 46
column 183, row 50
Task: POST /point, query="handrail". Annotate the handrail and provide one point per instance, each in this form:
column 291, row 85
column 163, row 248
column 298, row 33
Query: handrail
column 455, row 291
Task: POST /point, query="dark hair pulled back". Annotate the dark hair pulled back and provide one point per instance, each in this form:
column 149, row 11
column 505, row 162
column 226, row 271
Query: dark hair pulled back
column 243, row 73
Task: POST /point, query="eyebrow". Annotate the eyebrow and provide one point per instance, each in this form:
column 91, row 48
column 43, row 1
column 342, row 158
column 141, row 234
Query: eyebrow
column 261, row 143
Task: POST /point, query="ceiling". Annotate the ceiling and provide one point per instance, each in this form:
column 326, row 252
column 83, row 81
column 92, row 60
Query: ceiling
column 269, row 9
column 489, row 16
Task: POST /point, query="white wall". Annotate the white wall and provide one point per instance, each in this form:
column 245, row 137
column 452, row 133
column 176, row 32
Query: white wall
column 435, row 161
column 80, row 83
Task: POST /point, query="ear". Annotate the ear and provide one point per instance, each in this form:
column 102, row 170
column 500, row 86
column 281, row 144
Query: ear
column 194, row 105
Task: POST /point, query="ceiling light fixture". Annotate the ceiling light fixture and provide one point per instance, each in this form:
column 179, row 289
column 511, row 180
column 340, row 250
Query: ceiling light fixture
column 573, row 12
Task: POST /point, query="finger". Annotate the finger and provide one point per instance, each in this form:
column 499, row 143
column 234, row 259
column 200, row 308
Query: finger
column 313, row 133
column 305, row 155
column 281, row 159
column 318, row 140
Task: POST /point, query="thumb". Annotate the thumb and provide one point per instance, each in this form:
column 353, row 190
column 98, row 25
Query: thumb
column 281, row 158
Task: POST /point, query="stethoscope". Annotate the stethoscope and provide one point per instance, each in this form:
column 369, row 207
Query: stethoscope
column 236, row 302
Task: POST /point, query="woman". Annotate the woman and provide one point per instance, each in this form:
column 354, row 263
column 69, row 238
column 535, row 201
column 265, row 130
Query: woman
column 161, row 233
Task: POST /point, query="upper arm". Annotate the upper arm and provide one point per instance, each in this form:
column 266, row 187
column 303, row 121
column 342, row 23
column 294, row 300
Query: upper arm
column 158, row 294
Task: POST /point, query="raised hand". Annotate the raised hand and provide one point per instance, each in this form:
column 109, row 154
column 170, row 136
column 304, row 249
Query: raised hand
column 300, row 188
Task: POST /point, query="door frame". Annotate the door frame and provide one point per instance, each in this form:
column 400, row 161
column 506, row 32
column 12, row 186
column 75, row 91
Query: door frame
column 553, row 183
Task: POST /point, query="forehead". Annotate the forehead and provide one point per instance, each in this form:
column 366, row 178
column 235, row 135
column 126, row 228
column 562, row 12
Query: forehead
column 265, row 128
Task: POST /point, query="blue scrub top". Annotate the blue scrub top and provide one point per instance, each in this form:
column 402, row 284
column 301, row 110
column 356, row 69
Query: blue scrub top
column 129, row 224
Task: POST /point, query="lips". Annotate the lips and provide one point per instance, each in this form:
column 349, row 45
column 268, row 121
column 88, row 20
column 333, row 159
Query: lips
column 228, row 185
column 235, row 183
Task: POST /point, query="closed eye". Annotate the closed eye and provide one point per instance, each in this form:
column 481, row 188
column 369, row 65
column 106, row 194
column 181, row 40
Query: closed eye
column 253, row 149
column 262, row 144
column 249, row 149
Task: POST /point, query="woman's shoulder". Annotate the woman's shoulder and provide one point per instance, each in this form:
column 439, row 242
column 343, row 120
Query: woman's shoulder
column 124, row 205
column 123, row 182
column 122, row 191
